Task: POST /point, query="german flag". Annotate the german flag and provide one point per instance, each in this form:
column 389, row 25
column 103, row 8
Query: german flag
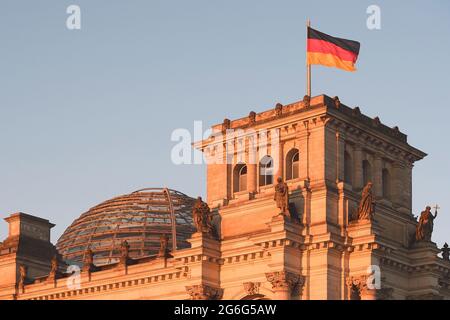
column 330, row 51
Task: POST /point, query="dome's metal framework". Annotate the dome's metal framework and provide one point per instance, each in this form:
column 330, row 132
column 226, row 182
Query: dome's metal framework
column 140, row 218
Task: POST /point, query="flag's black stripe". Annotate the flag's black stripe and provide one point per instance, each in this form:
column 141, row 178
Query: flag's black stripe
column 349, row 45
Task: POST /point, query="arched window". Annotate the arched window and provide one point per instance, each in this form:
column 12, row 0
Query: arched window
column 292, row 163
column 240, row 178
column 367, row 172
column 266, row 171
column 348, row 168
column 386, row 182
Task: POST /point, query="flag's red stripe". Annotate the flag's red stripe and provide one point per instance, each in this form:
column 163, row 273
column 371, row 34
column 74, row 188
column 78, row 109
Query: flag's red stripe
column 322, row 46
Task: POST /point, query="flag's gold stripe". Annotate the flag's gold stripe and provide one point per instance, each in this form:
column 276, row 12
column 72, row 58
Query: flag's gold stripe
column 329, row 60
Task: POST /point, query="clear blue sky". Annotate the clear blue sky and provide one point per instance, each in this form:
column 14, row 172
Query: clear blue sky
column 86, row 115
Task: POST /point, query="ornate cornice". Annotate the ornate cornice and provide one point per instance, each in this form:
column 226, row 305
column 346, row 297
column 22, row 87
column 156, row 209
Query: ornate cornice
column 428, row 267
column 363, row 138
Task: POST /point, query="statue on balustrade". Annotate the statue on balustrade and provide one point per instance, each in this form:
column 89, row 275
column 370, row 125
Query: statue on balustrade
column 425, row 226
column 445, row 252
column 88, row 261
column 202, row 216
column 22, row 276
column 163, row 246
column 124, row 253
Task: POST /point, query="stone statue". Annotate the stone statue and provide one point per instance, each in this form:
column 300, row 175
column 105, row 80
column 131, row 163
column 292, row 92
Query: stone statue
column 226, row 124
column 366, row 206
column 281, row 197
column 278, row 109
column 89, row 257
column 53, row 269
column 445, row 252
column 163, row 245
column 124, row 252
column 22, row 276
column 197, row 214
column 337, row 102
column 88, row 260
column 54, row 266
column 252, row 117
column 307, row 101
column 202, row 216
column 425, row 226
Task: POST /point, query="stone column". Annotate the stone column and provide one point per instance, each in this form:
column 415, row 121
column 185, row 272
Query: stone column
column 304, row 157
column 377, row 177
column 357, row 168
column 283, row 282
column 252, row 167
column 397, row 184
column 408, row 186
column 340, row 151
column 251, row 178
column 279, row 164
column 306, row 193
column 343, row 217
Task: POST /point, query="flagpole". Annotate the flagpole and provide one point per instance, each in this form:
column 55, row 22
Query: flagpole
column 308, row 66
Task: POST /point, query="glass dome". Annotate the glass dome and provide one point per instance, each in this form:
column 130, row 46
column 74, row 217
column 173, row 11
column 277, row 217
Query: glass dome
column 139, row 218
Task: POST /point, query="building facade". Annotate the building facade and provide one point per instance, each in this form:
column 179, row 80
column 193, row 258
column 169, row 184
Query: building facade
column 326, row 153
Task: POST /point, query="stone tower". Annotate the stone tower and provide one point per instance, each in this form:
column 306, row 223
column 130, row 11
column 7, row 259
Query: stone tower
column 27, row 245
column 326, row 152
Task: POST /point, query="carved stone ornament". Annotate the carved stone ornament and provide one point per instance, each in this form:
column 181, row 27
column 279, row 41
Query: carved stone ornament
column 366, row 206
column 358, row 288
column 202, row 216
column 285, row 280
column 22, row 277
column 226, row 124
column 337, row 102
column 376, row 121
column 252, row 117
column 445, row 252
column 356, row 112
column 281, row 197
column 306, row 101
column 53, row 269
column 204, row 292
column 278, row 109
column 425, row 225
column 251, row 288
column 163, row 246
column 124, row 252
column 88, row 263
